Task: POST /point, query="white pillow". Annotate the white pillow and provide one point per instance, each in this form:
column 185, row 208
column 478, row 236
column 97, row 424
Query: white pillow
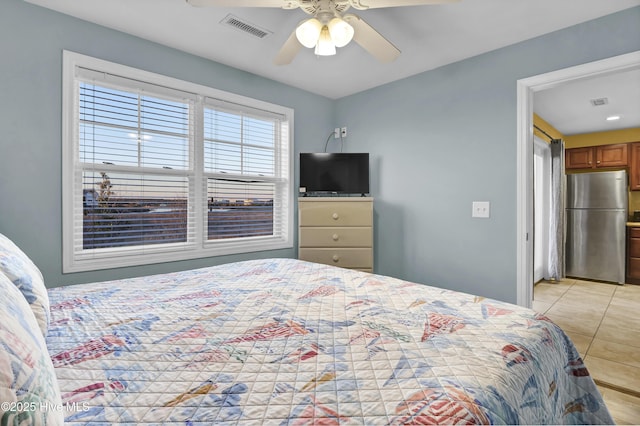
column 29, row 390
column 26, row 276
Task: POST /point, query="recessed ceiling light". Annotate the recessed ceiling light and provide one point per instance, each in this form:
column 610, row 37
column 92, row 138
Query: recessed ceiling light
column 613, row 118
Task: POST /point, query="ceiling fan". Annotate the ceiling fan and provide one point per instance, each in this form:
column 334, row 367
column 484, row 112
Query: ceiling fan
column 329, row 27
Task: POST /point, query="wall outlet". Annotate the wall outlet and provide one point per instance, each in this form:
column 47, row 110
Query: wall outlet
column 480, row 209
column 336, row 133
column 343, row 132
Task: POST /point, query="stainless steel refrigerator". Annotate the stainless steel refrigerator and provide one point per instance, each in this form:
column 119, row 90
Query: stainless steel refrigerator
column 596, row 216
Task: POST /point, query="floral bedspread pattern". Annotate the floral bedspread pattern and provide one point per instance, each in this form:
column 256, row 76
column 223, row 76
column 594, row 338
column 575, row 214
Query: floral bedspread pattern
column 281, row 341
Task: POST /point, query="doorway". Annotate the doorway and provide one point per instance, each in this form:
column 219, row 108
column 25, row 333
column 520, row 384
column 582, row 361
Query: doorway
column 526, row 89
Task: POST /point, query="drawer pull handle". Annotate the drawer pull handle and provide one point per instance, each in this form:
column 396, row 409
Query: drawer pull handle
column 335, row 237
column 335, row 216
column 336, row 258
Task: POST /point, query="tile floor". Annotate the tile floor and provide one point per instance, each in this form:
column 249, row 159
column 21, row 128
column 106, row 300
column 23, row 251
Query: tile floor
column 603, row 320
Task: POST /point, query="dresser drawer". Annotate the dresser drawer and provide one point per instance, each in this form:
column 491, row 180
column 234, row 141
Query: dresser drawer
column 344, row 213
column 336, row 237
column 634, row 247
column 633, row 268
column 343, row 257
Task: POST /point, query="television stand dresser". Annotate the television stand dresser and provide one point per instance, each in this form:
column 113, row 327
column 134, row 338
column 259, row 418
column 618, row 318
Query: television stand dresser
column 336, row 231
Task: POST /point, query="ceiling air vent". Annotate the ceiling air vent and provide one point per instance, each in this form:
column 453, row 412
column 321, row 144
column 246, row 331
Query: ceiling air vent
column 247, row 27
column 599, row 101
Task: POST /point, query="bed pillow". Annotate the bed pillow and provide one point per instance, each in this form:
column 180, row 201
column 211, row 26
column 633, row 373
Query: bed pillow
column 29, row 390
column 17, row 266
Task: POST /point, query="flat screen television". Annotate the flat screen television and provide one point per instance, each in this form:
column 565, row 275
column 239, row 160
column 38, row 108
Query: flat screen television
column 334, row 173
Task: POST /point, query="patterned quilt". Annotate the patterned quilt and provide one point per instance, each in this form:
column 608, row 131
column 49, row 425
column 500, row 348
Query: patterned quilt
column 282, row 341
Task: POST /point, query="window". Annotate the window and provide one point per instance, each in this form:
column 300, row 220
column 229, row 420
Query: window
column 157, row 169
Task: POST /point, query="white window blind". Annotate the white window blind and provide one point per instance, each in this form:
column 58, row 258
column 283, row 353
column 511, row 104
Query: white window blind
column 241, row 166
column 134, row 156
column 161, row 170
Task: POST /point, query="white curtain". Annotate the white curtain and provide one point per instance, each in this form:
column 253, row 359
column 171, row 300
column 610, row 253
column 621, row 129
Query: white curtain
column 556, row 219
column 542, row 207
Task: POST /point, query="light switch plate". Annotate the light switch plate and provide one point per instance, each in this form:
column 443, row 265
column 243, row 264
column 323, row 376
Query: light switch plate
column 481, row 209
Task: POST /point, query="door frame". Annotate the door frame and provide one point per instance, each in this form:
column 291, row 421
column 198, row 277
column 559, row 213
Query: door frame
column 526, row 89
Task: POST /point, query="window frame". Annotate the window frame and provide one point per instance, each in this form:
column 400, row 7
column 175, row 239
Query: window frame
column 197, row 245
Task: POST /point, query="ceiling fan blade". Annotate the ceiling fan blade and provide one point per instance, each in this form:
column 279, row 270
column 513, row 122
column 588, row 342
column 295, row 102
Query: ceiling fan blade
column 288, row 51
column 371, row 40
column 375, row 4
column 241, row 3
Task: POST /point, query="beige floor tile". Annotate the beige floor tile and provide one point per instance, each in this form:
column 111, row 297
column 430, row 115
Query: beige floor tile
column 611, row 313
column 614, row 373
column 580, row 341
column 629, row 291
column 548, row 292
column 627, row 318
column 586, row 327
column 588, row 300
column 595, row 287
column 613, row 331
column 579, row 310
column 541, row 307
column 623, row 354
column 622, row 301
column 624, row 408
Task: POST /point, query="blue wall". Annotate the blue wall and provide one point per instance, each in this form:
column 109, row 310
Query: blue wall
column 444, row 138
column 438, row 141
column 31, row 43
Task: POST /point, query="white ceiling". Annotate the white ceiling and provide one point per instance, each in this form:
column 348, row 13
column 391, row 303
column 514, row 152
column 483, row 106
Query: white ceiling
column 569, row 109
column 428, row 36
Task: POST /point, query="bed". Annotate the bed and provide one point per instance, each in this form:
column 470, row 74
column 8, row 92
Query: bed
column 279, row 341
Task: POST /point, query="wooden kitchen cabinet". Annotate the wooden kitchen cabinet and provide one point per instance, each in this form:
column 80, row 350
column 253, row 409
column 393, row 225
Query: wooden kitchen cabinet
column 579, row 158
column 597, row 156
column 634, row 169
column 612, row 155
column 633, row 255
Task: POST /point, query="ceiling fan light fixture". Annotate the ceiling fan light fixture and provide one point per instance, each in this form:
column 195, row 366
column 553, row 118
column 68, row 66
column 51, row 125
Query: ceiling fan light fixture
column 341, row 32
column 308, row 32
column 325, row 45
